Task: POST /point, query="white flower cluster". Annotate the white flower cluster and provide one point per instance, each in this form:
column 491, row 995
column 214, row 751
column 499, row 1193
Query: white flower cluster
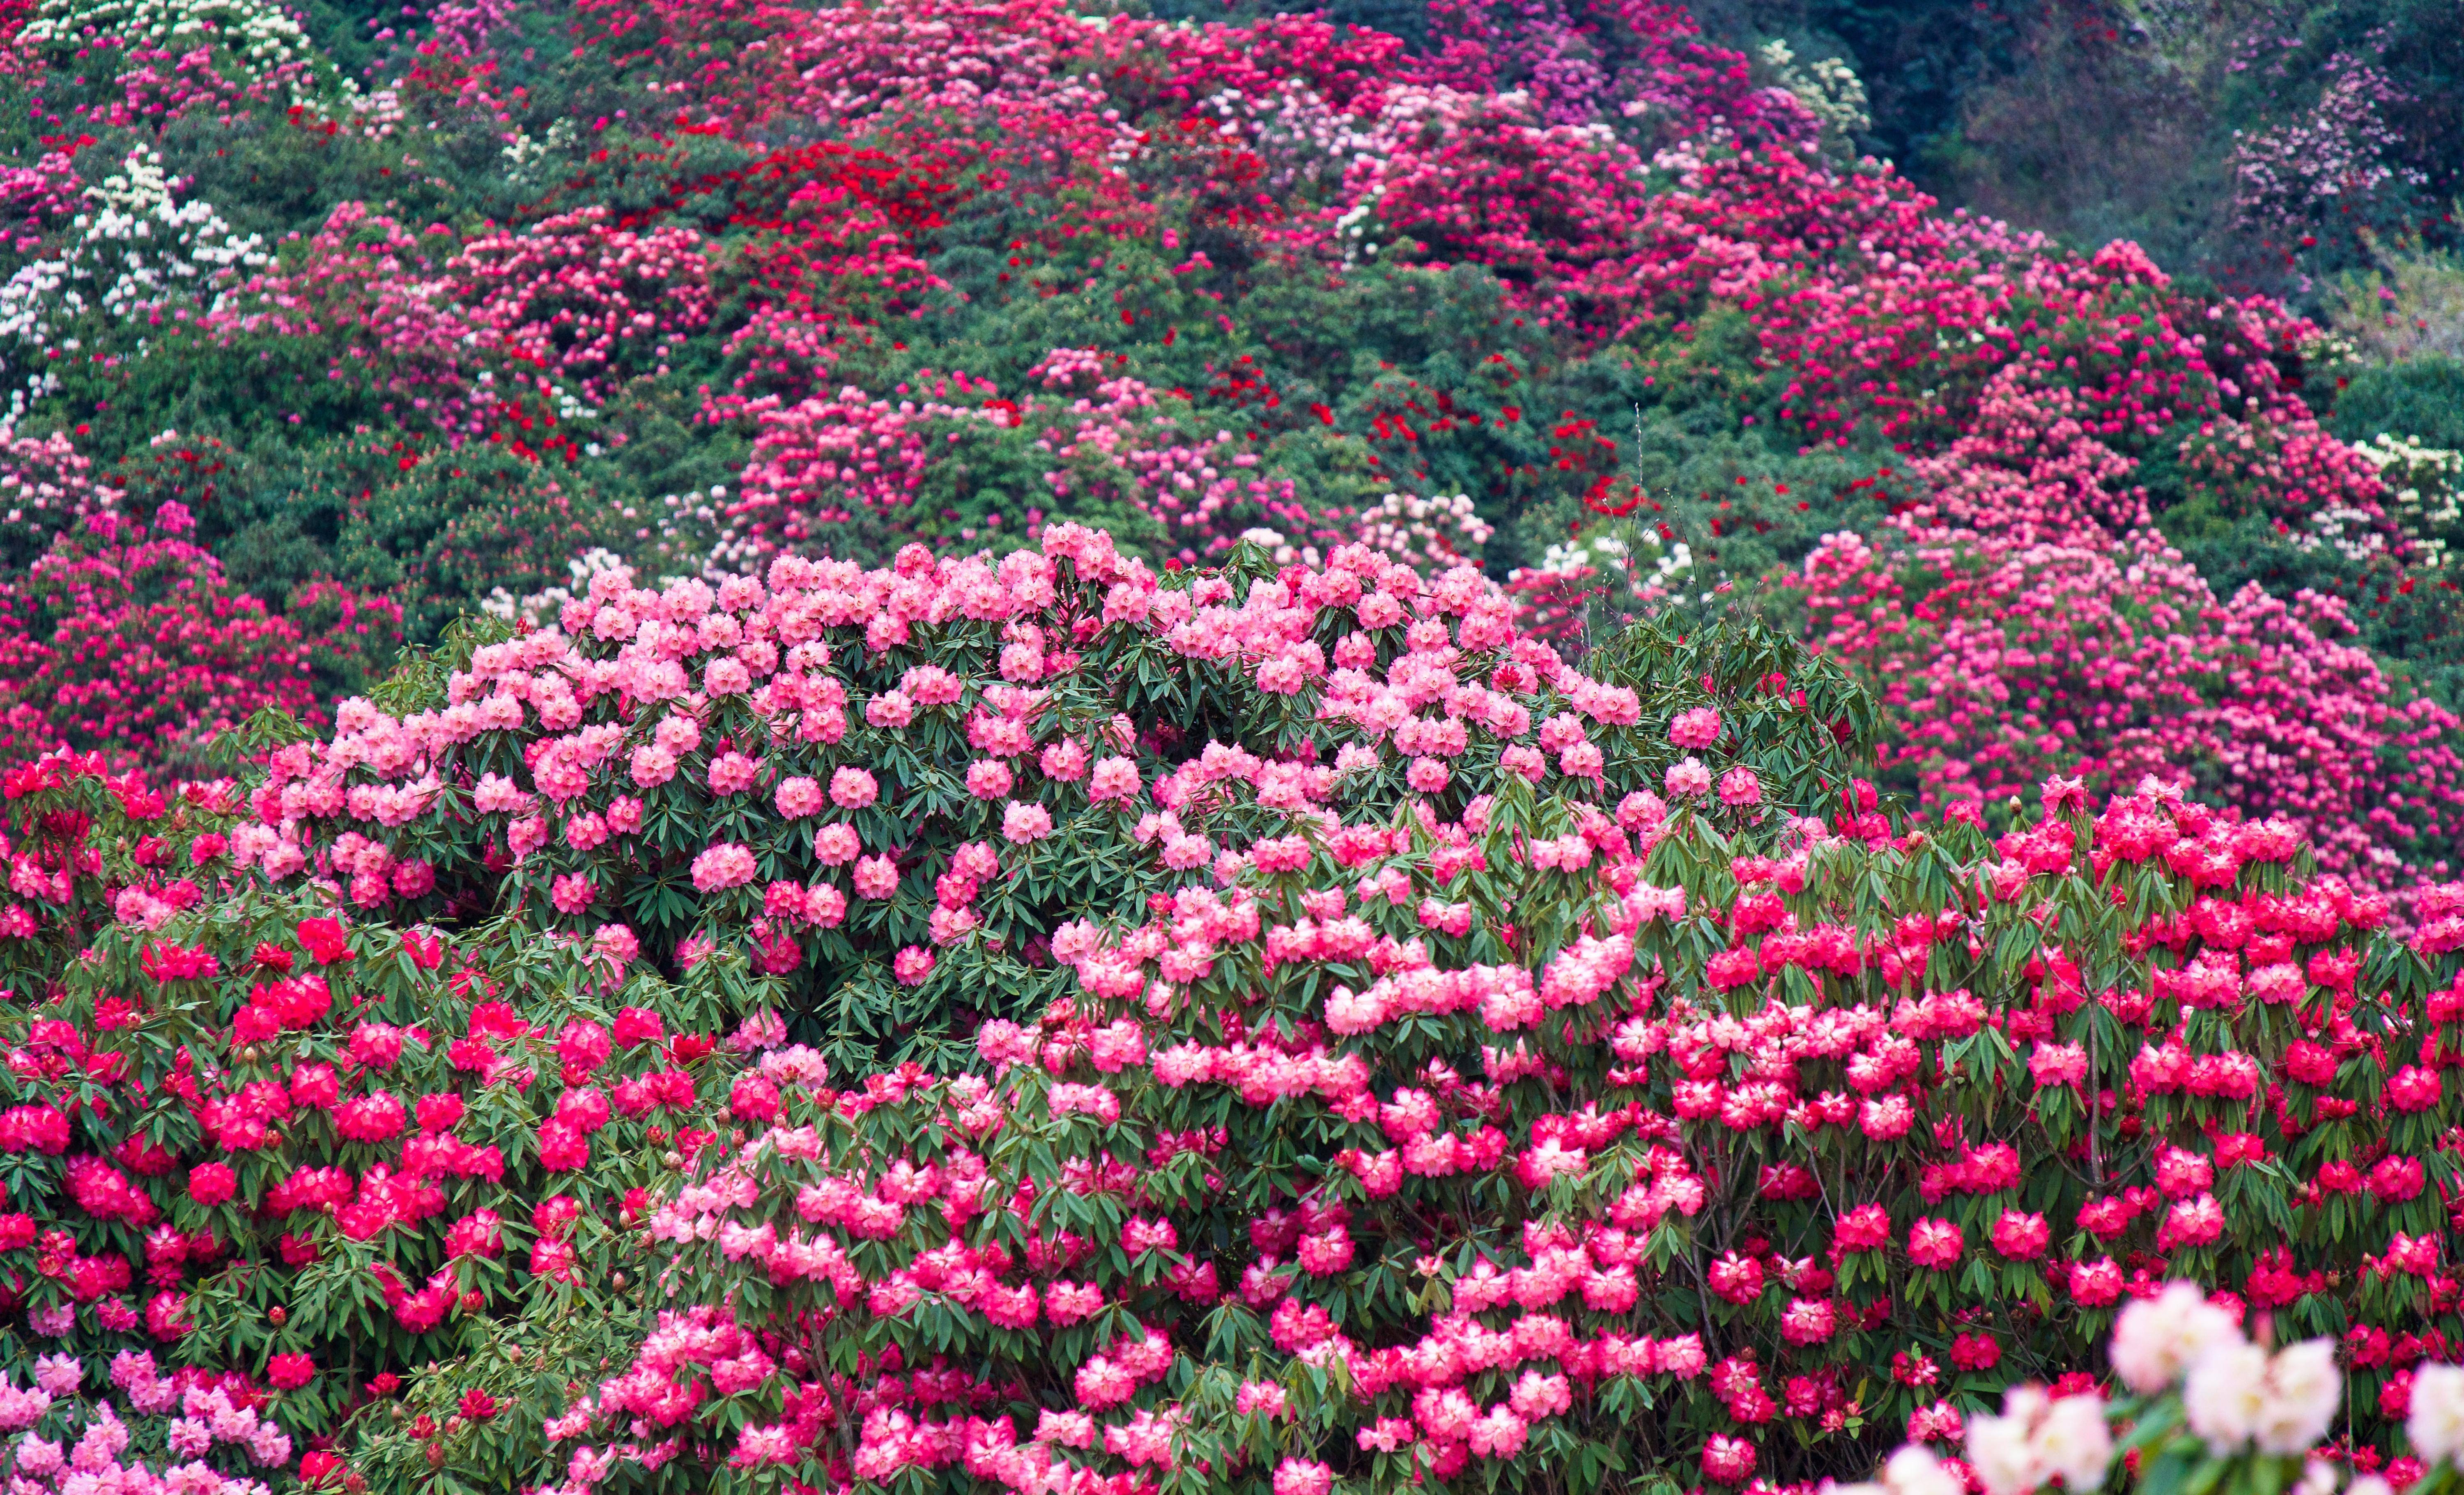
column 259, row 33
column 376, row 114
column 1829, row 90
column 2234, row 1395
column 128, row 259
column 2234, row 1392
column 1644, row 567
column 1614, row 554
column 2422, row 487
column 529, row 158
column 2437, row 1426
column 1305, row 141
column 691, row 537
column 1913, row 1470
column 542, row 609
column 2238, row 1396
column 2038, row 1436
column 1417, row 532
column 2328, row 351
column 2157, row 1340
column 1357, row 225
column 2350, row 529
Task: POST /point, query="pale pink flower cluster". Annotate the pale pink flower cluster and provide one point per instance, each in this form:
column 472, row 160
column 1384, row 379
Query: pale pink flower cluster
column 100, row 1459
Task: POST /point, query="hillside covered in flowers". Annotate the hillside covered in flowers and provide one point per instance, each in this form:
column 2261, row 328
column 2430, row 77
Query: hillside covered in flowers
column 935, row 746
column 326, row 330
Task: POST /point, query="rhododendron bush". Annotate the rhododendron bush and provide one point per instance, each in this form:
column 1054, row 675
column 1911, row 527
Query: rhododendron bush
column 264, row 1163
column 2012, row 663
column 1819, row 1126
column 126, row 640
column 895, row 789
column 1396, row 1105
column 123, row 634
column 1547, row 1071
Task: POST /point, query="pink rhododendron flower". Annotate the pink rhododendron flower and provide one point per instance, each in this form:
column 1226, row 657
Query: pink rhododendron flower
column 723, row 865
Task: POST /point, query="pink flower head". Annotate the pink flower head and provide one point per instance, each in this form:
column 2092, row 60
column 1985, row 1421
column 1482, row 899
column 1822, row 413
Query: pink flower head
column 1726, row 1460
column 1688, row 778
column 212, row 1183
column 877, row 877
column 652, row 765
column 1115, row 778
column 1064, row 760
column 798, row 797
column 676, row 735
column 891, row 710
column 1935, row 1244
column 1807, row 1321
column 2096, row 1284
column 572, row 892
column 725, row 864
column 1499, row 1434
column 853, row 788
column 1736, row 1279
column 1301, row 1477
column 1264, row 1399
column 930, row 685
column 1023, row 824
column 1683, row 1357
column 615, row 946
column 2021, row 1237
column 1865, row 1228
column 1886, row 1118
column 836, row 846
column 1325, row 1253
column 733, row 773
column 2191, row 1222
column 60, row 1375
column 2057, row 1063
column 1698, row 728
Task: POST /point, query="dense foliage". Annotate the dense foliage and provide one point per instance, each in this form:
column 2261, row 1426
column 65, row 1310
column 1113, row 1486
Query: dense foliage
column 1440, row 1106
column 685, row 291
column 938, row 744
column 327, row 1153
column 2266, row 144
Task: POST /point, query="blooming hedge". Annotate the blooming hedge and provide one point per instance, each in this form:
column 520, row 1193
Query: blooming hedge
column 264, row 1164
column 1316, row 1177
column 1431, row 1113
column 895, row 787
column 1534, row 1061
